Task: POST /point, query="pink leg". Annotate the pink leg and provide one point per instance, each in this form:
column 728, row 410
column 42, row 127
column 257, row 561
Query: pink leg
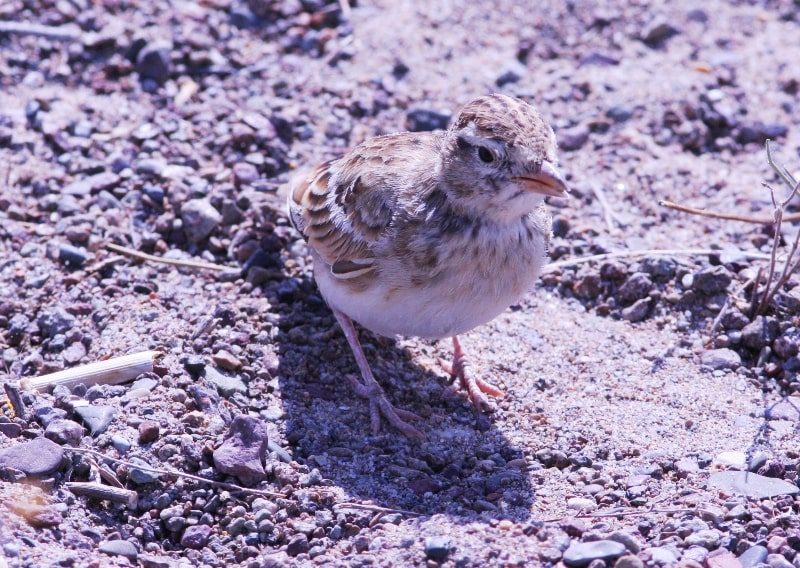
column 475, row 387
column 370, row 389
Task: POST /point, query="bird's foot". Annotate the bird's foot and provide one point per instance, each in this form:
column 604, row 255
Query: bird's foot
column 475, row 387
column 379, row 406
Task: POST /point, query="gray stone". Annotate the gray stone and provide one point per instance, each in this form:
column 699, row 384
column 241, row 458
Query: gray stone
column 64, row 432
column 437, row 548
column 243, row 453
column 708, row 539
column 718, row 359
column 95, row 183
column 658, row 31
column 638, row 311
column 199, row 219
column 753, row 556
column 196, row 537
column 226, row 385
column 120, row 443
column 71, row 256
column 38, row 458
column 625, row 539
column 153, row 61
column 140, row 476
column 583, row 553
column 712, row 280
column 425, row 120
column 119, row 547
column 574, row 138
column 751, row 484
column 298, row 544
column 760, row 332
column 54, row 321
column 96, row 417
column 662, row 555
column 629, row 561
column 637, row 286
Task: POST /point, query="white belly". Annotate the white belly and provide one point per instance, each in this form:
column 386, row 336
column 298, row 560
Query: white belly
column 455, row 304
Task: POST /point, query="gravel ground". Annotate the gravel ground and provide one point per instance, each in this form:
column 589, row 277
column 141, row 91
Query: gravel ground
column 627, row 425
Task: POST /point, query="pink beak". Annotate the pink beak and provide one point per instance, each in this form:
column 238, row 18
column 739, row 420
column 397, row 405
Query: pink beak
column 549, row 181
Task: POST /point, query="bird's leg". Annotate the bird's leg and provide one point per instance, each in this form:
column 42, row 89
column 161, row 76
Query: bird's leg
column 476, row 387
column 371, row 390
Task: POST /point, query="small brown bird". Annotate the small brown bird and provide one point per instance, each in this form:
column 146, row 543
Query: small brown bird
column 431, row 234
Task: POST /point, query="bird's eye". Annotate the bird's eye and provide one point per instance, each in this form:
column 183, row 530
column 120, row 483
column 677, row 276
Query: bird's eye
column 485, row 155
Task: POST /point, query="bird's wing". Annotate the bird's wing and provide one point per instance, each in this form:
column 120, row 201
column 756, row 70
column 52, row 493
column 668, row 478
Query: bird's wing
column 344, row 207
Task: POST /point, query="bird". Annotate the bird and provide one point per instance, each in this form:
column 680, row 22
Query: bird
column 431, row 234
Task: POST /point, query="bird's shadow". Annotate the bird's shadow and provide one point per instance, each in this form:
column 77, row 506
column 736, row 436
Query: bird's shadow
column 466, row 468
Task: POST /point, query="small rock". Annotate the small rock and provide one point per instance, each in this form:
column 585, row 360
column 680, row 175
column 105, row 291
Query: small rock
column 95, row 183
column 627, row 540
column 658, row 32
column 718, row 359
column 148, row 431
column 437, row 548
column 96, row 417
column 153, row 561
column 583, row 553
column 581, row 504
column 751, row 484
column 735, row 460
column 574, row 138
column 38, row 516
column 298, row 544
column 153, row 61
column 199, row 219
column 55, row 321
column 243, row 453
column 71, row 256
column 226, row 385
column 120, row 443
column 753, row 556
column 119, row 547
column 141, row 476
column 74, row 353
column 637, row 286
column 722, row 559
column 244, row 173
column 638, row 311
column 662, row 555
column 708, row 539
column 64, row 432
column 629, row 561
column 37, row 458
column 760, row 332
column 227, row 360
column 10, row 429
column 712, row 280
column 425, row 120
column 196, row 536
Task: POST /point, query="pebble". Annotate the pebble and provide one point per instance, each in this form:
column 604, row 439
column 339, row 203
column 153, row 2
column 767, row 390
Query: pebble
column 425, row 120
column 10, row 429
column 637, row 286
column 55, row 321
column 583, row 553
column 629, row 561
column 196, row 536
column 708, row 539
column 735, row 460
column 437, row 548
column 72, row 256
column 74, row 353
column 140, row 476
column 63, row 432
column 119, row 547
column 658, row 31
column 153, row 61
column 751, row 484
column 95, row 183
column 718, row 359
column 96, row 417
column 120, row 443
column 227, row 360
column 243, row 452
column 148, row 431
column 581, row 503
column 761, row 332
column 722, row 559
column 38, row 516
column 37, row 458
column 199, row 219
column 627, row 540
column 572, row 139
column 298, row 544
column 638, row 311
column 226, row 385
column 662, row 555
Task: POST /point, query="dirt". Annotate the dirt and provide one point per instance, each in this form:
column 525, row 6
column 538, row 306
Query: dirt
column 169, row 128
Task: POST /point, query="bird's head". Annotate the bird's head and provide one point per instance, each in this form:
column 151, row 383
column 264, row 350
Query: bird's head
column 500, row 159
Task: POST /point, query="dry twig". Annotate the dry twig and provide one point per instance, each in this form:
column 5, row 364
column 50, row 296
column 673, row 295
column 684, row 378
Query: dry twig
column 173, row 261
column 725, row 216
column 650, row 252
column 104, row 492
column 39, row 30
column 375, row 508
column 220, row 484
column 112, row 371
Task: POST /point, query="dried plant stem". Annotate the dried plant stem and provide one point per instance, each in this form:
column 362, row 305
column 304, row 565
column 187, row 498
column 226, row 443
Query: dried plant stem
column 650, row 252
column 630, row 513
column 375, row 508
column 173, row 261
column 104, row 492
column 220, row 484
column 109, row 372
column 39, row 30
column 727, row 216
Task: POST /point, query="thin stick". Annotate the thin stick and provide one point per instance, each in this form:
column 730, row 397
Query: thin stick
column 652, row 252
column 49, row 32
column 104, row 492
column 220, row 484
column 727, row 216
column 776, row 239
column 15, row 399
column 620, row 514
column 112, row 371
column 729, row 302
column 173, row 261
column 377, row 509
column 608, row 214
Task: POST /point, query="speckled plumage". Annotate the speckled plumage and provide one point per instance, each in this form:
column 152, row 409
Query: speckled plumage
column 432, row 234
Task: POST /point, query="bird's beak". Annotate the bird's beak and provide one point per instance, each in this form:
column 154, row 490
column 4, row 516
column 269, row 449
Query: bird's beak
column 548, row 181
